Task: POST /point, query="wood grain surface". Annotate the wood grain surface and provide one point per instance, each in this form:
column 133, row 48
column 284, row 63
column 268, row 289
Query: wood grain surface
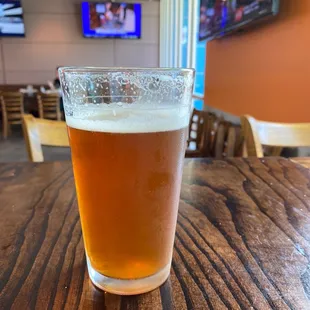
column 242, row 240
column 304, row 161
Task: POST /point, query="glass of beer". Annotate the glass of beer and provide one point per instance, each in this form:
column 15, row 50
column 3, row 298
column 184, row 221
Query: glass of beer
column 128, row 130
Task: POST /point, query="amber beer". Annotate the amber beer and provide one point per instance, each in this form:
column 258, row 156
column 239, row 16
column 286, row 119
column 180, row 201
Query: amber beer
column 128, row 175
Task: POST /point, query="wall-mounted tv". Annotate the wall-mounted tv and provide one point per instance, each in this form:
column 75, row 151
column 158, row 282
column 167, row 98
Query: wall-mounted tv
column 111, row 20
column 11, row 19
column 219, row 17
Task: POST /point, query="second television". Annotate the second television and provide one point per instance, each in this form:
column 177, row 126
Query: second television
column 111, row 20
column 220, row 17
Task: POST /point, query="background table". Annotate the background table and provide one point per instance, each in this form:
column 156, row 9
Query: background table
column 242, row 240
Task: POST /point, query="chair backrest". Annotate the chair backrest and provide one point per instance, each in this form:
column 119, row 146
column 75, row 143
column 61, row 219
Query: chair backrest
column 38, row 132
column 49, row 106
column 202, row 127
column 210, row 127
column 260, row 133
column 228, row 140
column 196, row 128
column 12, row 106
column 212, row 136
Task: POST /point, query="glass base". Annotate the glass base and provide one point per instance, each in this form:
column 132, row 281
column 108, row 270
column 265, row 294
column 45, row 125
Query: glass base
column 128, row 287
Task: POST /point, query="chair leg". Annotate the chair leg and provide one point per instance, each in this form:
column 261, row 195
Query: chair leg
column 9, row 129
column 5, row 131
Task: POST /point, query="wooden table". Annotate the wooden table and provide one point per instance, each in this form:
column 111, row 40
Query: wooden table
column 242, row 240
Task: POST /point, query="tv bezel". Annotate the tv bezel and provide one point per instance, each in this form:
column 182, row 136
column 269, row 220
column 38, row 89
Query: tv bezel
column 15, row 35
column 241, row 26
column 112, row 36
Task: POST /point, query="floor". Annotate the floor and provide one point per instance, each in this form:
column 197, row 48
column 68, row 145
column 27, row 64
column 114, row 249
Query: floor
column 13, row 149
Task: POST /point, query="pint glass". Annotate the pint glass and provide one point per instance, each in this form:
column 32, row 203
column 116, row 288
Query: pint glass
column 128, row 130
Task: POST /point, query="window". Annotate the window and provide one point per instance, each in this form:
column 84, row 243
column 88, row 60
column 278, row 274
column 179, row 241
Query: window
column 179, row 45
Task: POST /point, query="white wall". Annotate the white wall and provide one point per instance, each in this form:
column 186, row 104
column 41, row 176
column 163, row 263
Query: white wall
column 54, row 37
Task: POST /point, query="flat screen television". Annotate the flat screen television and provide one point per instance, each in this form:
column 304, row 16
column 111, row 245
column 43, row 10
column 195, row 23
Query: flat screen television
column 111, row 20
column 11, row 19
column 220, row 17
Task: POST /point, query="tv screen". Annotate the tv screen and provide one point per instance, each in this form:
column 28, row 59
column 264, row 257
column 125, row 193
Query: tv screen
column 111, row 20
column 11, row 19
column 219, row 17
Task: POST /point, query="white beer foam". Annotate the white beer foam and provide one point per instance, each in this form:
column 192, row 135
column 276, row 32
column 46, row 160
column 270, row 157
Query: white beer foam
column 130, row 120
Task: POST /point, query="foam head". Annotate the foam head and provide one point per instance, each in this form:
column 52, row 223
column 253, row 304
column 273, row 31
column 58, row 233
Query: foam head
column 135, row 119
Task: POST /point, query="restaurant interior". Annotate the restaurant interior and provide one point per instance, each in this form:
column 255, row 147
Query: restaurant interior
column 242, row 239
column 258, row 70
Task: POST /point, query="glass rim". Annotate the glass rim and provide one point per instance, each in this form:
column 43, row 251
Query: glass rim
column 81, row 69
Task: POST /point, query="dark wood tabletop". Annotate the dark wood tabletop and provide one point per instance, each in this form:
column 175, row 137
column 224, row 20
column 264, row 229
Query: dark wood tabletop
column 242, row 240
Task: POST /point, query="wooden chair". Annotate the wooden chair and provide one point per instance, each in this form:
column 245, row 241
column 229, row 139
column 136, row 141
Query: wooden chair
column 201, row 132
column 212, row 136
column 49, row 106
column 258, row 134
column 12, row 107
column 38, row 132
column 228, row 141
column 195, row 129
